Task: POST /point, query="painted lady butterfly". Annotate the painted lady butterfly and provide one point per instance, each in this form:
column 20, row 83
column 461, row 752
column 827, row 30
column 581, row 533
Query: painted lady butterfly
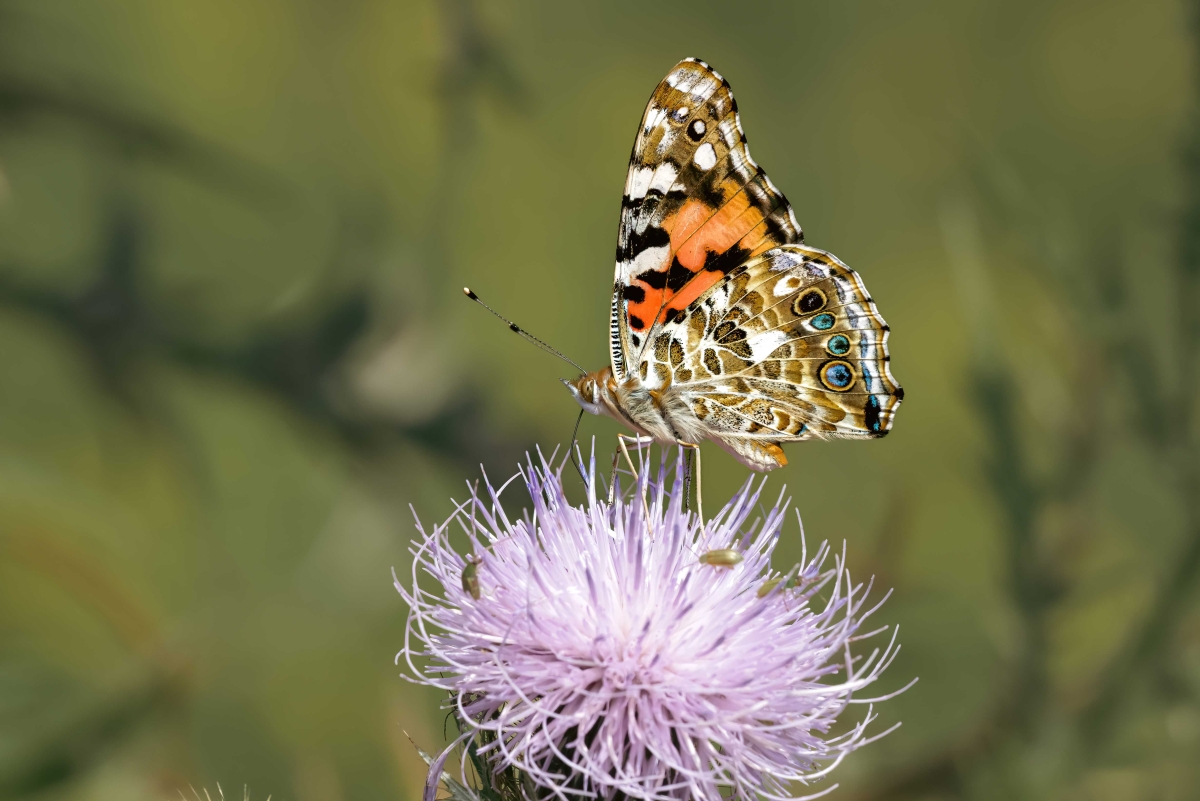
column 724, row 326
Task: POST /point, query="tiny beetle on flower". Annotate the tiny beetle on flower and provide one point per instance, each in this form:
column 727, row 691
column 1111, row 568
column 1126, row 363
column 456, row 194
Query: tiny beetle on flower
column 722, row 557
column 470, row 577
column 790, row 579
column 769, row 585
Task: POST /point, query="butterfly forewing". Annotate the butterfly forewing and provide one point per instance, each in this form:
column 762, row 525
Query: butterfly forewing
column 696, row 206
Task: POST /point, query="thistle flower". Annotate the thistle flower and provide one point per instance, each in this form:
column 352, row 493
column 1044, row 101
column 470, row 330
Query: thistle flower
column 598, row 652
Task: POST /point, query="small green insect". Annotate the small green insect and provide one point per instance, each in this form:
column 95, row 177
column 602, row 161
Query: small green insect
column 470, row 577
column 771, row 584
column 722, row 557
column 791, row 579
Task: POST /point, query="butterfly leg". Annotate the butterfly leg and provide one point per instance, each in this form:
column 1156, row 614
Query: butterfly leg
column 612, row 478
column 699, row 486
column 638, row 443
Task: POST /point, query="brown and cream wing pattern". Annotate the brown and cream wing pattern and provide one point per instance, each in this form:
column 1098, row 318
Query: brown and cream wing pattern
column 787, row 346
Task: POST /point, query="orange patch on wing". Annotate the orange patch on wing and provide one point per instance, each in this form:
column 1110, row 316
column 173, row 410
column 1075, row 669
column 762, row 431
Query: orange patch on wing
column 641, row 314
column 758, row 241
column 690, row 218
column 696, row 229
column 776, row 453
column 692, row 290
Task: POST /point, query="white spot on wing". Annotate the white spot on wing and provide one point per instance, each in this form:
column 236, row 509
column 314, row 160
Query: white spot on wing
column 728, row 133
column 683, row 79
column 638, row 182
column 706, row 156
column 648, row 259
column 783, row 260
column 652, row 381
column 786, row 286
column 654, row 118
column 737, row 158
column 664, row 144
column 764, row 344
column 663, row 178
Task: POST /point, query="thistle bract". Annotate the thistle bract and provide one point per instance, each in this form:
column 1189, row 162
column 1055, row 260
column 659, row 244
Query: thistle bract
column 602, row 656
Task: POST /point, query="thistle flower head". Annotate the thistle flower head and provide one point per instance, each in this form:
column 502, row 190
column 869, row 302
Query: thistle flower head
column 607, row 653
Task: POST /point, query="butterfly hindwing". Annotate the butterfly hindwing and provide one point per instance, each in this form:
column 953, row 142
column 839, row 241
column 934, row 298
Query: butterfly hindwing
column 787, row 346
column 695, row 207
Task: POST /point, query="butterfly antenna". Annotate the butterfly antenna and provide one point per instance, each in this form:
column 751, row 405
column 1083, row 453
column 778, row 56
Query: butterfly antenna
column 516, row 329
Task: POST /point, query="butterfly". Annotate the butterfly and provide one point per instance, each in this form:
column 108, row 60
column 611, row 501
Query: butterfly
column 724, row 325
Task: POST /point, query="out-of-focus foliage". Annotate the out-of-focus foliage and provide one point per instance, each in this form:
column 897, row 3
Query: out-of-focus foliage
column 233, row 351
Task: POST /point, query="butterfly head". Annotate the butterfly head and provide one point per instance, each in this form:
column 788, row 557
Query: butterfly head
column 590, row 389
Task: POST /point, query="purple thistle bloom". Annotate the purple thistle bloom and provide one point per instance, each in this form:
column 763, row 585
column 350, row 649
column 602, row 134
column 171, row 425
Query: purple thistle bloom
column 603, row 657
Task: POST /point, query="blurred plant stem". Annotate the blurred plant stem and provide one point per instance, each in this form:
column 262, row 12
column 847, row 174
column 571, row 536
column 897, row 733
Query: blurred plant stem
column 1166, row 410
column 66, row 743
column 64, row 751
column 1162, row 413
column 125, row 332
column 25, row 104
column 473, row 66
column 119, row 329
column 302, row 366
column 75, row 574
column 1020, row 497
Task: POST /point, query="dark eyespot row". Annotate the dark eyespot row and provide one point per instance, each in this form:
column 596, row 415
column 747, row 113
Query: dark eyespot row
column 838, row 345
column 811, row 301
column 823, row 322
column 837, row 375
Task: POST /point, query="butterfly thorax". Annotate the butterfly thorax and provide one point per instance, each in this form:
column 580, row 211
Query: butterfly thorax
column 659, row 413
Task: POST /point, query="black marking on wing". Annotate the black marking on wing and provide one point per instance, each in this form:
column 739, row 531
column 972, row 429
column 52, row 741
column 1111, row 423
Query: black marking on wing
column 652, row 237
column 655, row 279
column 871, row 417
column 728, row 261
column 678, row 275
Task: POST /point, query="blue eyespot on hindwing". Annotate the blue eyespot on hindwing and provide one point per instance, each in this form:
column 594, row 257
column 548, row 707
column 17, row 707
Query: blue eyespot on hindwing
column 837, row 375
column 838, row 345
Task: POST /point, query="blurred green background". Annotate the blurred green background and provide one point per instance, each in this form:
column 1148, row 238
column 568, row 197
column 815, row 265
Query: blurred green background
column 233, row 351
